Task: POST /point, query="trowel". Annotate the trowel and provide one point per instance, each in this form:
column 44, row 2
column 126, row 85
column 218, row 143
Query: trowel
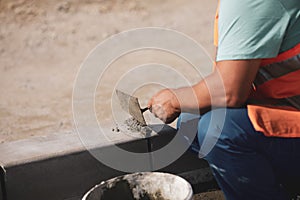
column 131, row 105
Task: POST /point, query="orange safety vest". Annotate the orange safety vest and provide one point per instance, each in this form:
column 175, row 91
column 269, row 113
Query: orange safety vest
column 277, row 84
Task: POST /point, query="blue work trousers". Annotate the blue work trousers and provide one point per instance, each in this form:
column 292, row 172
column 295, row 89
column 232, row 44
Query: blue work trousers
column 245, row 163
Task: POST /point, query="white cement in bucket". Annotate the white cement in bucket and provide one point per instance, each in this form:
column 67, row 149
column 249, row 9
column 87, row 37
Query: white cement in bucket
column 142, row 186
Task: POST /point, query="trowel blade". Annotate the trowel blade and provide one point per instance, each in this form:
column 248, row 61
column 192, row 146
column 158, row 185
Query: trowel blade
column 131, row 105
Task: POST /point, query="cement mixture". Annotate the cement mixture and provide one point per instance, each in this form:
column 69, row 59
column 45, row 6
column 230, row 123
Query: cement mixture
column 133, row 127
column 159, row 186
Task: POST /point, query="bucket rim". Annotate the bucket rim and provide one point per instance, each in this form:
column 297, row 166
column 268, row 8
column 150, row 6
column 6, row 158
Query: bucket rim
column 103, row 183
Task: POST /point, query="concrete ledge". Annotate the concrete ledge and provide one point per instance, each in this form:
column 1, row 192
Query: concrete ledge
column 59, row 167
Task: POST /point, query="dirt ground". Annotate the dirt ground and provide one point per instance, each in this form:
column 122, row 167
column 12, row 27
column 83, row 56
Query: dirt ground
column 212, row 195
column 44, row 42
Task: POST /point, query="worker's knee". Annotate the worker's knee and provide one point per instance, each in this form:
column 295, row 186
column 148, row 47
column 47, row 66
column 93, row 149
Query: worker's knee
column 186, row 118
column 208, row 133
column 224, row 129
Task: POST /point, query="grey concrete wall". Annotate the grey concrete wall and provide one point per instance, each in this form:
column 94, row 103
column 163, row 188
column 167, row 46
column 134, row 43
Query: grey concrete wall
column 2, row 184
column 65, row 176
column 59, row 167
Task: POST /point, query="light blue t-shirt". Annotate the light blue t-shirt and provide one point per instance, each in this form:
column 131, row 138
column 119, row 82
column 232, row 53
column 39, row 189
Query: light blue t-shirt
column 250, row 29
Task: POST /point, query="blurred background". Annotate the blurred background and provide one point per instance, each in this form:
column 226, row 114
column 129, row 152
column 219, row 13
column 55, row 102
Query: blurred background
column 44, row 42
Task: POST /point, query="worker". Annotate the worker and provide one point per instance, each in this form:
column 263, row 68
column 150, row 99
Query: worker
column 256, row 83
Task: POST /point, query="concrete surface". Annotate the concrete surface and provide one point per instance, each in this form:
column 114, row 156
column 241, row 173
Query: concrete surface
column 59, row 167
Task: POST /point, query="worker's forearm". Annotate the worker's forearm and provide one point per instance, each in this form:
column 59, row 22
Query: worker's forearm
column 190, row 99
column 201, row 96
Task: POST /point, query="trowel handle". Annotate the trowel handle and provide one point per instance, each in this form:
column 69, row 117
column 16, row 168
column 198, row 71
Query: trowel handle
column 144, row 109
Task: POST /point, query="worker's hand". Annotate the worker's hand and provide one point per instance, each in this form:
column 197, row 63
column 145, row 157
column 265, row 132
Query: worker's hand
column 165, row 106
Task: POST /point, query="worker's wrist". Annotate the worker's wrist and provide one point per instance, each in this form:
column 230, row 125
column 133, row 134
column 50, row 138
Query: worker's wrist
column 178, row 101
column 187, row 100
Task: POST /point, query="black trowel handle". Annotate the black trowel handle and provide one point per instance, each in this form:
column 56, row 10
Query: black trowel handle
column 144, row 109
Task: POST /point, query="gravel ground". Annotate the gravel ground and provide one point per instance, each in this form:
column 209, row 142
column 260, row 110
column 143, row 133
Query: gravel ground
column 44, row 42
column 213, row 195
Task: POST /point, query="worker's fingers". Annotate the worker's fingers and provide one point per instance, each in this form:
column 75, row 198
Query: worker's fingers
column 149, row 105
column 157, row 109
column 158, row 112
column 155, row 98
column 162, row 106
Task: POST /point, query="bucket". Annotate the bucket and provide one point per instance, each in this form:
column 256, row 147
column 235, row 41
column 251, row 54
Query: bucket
column 142, row 186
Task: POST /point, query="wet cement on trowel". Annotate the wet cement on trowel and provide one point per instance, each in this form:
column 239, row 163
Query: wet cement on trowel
column 133, row 127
